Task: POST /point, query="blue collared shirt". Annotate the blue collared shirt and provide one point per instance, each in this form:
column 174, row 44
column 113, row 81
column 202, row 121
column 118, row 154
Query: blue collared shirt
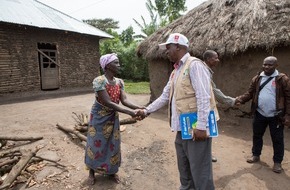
column 267, row 96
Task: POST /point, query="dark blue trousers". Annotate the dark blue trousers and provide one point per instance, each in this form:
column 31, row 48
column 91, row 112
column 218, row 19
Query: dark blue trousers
column 260, row 123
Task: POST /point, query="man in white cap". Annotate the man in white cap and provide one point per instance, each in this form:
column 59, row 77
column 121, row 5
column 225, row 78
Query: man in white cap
column 188, row 90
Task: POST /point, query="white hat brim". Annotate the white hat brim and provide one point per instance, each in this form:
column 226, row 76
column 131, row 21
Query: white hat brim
column 162, row 46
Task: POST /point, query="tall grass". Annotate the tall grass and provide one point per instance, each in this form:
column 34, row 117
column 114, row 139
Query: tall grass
column 137, row 87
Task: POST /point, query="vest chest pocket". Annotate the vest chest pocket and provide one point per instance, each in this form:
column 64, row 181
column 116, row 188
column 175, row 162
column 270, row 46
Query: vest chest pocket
column 185, row 74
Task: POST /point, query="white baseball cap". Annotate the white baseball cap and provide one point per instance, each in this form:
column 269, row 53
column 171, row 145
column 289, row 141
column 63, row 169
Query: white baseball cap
column 175, row 38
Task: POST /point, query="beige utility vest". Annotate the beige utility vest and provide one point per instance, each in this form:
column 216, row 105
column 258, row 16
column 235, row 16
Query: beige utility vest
column 185, row 97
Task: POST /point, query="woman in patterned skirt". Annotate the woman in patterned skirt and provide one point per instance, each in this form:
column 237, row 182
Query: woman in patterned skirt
column 103, row 153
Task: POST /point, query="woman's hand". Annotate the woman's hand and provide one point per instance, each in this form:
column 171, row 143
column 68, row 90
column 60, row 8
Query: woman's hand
column 140, row 114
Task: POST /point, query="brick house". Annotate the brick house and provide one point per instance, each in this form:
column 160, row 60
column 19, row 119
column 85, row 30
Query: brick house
column 44, row 49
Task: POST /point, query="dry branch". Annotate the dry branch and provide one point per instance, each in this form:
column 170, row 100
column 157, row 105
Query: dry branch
column 16, row 170
column 27, row 183
column 12, row 155
column 81, row 128
column 84, row 129
column 81, row 119
column 49, row 160
column 7, row 162
column 20, row 138
column 3, row 153
column 68, row 130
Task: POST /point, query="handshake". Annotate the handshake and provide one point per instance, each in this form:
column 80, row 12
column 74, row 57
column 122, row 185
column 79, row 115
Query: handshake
column 140, row 114
column 237, row 101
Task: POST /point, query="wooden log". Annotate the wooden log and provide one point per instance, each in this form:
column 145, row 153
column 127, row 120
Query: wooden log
column 83, row 128
column 9, row 152
column 16, row 170
column 12, row 155
column 20, row 138
column 7, row 162
column 128, row 121
column 68, row 130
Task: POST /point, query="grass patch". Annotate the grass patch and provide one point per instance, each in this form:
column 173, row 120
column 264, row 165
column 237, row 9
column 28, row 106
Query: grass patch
column 137, row 87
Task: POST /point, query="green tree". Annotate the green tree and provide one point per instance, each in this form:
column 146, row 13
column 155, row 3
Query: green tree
column 103, row 24
column 133, row 67
column 170, row 9
column 152, row 26
column 108, row 25
column 113, row 45
column 161, row 14
column 127, row 36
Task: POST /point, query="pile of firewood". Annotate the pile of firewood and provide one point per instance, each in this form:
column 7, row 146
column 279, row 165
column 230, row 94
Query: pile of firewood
column 81, row 127
column 81, row 119
column 19, row 165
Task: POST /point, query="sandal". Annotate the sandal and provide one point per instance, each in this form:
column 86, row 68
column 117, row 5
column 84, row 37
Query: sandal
column 115, row 178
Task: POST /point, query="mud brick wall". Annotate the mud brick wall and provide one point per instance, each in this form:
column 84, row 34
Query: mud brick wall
column 77, row 54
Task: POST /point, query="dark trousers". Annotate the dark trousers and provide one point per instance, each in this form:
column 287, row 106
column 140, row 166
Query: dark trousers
column 194, row 164
column 260, row 124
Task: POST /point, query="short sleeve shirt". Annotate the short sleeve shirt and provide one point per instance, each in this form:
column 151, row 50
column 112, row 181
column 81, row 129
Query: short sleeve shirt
column 114, row 90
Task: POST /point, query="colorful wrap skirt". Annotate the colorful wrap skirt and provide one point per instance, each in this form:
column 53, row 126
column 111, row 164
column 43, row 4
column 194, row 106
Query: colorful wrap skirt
column 103, row 149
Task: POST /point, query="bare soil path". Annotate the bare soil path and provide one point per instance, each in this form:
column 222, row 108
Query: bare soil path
column 148, row 154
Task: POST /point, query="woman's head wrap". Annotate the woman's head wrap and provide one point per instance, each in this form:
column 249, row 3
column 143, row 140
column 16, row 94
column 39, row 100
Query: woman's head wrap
column 106, row 59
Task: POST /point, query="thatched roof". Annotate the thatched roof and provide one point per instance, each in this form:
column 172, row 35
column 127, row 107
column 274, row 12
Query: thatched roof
column 228, row 26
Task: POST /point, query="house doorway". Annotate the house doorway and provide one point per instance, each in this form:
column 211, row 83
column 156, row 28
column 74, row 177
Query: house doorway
column 49, row 68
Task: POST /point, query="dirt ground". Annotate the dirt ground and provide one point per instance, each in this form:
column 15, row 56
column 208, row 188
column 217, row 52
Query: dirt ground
column 148, row 154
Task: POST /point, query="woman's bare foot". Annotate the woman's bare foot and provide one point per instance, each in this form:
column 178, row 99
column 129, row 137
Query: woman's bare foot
column 115, row 178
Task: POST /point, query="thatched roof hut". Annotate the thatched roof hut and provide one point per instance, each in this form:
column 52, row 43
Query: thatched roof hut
column 243, row 32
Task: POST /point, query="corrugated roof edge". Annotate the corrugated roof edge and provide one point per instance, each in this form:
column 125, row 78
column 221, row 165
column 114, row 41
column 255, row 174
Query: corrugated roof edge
column 106, row 35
